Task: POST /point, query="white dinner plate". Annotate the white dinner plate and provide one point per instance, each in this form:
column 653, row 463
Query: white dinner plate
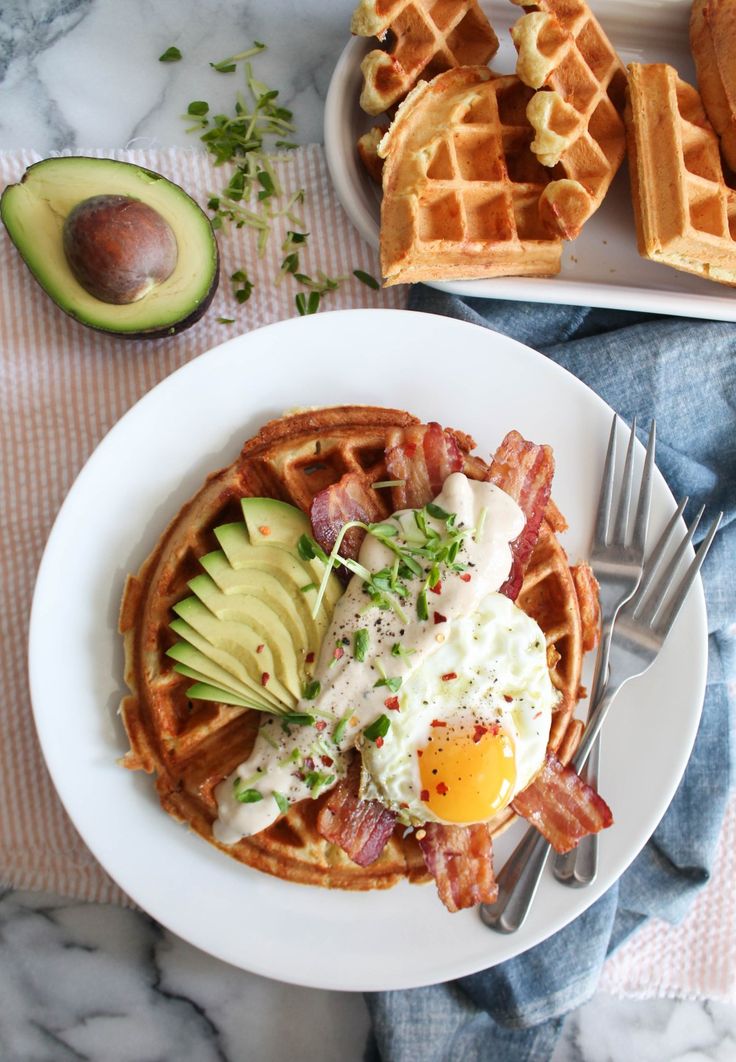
column 158, row 454
column 602, row 266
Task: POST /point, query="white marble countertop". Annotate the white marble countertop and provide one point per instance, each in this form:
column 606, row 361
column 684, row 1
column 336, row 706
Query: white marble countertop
column 84, row 981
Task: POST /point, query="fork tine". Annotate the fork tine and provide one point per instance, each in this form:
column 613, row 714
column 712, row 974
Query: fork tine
column 646, row 609
column 641, row 524
column 655, row 557
column 668, row 617
column 624, row 498
column 600, row 533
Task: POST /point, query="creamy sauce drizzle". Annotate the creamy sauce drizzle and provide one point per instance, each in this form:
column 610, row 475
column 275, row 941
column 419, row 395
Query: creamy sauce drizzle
column 285, row 759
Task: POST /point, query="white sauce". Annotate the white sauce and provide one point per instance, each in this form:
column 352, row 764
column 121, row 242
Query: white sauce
column 277, row 762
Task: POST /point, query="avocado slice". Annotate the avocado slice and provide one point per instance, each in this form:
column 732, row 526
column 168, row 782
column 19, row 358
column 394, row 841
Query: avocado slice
column 245, row 664
column 278, row 559
column 35, row 210
column 286, row 596
column 235, row 610
column 195, row 665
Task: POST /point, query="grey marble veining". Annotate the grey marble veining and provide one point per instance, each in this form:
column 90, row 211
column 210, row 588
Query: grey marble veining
column 84, row 981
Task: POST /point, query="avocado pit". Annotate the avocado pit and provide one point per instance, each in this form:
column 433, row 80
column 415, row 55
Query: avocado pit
column 118, row 248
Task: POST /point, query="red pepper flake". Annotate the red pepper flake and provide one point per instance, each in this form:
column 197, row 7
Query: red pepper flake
column 379, row 742
column 309, row 763
column 495, row 729
column 507, row 698
column 536, row 715
column 339, row 652
column 264, row 678
column 449, row 676
column 437, row 588
column 478, row 732
column 320, row 724
column 392, row 703
column 439, row 618
column 441, row 788
column 466, row 577
column 438, row 722
column 327, row 760
column 265, row 530
column 424, row 795
column 260, row 648
column 420, row 753
column 310, row 658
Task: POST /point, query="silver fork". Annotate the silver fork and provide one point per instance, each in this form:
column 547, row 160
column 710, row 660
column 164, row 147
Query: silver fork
column 642, row 626
column 616, row 559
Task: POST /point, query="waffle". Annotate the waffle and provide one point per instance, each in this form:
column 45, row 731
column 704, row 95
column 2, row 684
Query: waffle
column 713, row 44
column 367, row 148
column 685, row 213
column 192, row 745
column 426, row 38
column 564, row 53
column 461, row 188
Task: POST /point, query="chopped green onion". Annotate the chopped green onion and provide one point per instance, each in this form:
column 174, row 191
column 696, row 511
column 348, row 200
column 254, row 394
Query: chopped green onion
column 297, row 718
column 339, row 732
column 422, row 607
column 281, row 802
column 360, row 644
column 312, row 690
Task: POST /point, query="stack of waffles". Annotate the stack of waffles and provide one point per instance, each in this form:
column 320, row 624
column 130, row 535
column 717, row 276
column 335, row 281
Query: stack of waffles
column 486, row 174
column 193, row 745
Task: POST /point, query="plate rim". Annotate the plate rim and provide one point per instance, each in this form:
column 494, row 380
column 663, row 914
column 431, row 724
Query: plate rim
column 448, row 970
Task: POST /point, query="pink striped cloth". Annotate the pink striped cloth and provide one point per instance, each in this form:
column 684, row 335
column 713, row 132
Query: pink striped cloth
column 63, row 387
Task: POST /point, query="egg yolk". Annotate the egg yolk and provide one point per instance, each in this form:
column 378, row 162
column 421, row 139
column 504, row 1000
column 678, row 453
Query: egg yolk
column 467, row 774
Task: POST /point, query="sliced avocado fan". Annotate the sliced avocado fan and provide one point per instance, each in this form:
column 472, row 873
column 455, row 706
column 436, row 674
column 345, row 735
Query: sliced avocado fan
column 247, row 633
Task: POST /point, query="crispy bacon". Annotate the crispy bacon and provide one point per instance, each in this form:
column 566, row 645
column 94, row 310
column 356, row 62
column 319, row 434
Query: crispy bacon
column 562, row 806
column 460, row 859
column 360, row 827
column 587, row 590
column 422, row 456
column 348, row 499
column 523, row 470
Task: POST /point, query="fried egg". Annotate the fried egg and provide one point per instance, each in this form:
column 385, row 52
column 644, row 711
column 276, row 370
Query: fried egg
column 471, row 723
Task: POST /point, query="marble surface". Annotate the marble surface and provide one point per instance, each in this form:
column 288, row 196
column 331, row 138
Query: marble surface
column 84, row 981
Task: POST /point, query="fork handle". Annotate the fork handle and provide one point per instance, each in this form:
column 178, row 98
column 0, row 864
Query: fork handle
column 579, row 867
column 517, row 884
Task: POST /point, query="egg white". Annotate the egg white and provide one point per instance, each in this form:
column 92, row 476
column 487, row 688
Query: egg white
column 499, row 656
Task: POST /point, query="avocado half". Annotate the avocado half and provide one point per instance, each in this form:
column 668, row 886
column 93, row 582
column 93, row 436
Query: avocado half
column 34, row 211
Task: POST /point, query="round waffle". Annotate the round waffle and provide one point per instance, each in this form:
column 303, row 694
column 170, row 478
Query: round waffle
column 192, row 745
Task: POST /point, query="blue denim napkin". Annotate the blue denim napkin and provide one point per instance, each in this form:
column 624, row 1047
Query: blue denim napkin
column 683, row 372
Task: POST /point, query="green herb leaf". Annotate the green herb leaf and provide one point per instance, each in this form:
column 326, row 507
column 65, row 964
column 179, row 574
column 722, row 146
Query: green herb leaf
column 437, row 511
column 307, row 587
column 379, row 728
column 226, row 320
column 367, row 279
column 339, row 732
column 171, row 55
column 198, row 108
column 246, row 796
column 281, row 802
column 312, row 690
column 316, row 780
column 360, row 644
column 394, row 684
column 422, row 607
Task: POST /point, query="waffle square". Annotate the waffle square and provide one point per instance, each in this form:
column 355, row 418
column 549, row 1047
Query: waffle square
column 565, row 54
column 425, row 37
column 461, row 187
column 685, row 212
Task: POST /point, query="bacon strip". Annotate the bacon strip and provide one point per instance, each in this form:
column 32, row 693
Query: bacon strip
column 422, row 456
column 460, row 859
column 562, row 806
column 588, row 594
column 348, row 499
column 523, row 470
column 360, row 827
